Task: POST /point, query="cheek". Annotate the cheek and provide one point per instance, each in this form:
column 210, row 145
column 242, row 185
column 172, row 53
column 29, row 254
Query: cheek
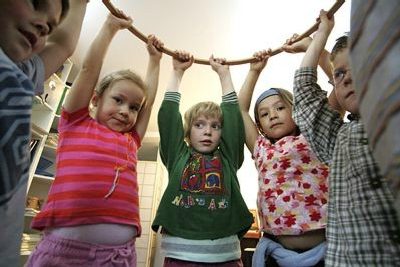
column 41, row 42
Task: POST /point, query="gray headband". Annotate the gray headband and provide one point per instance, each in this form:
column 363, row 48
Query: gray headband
column 265, row 94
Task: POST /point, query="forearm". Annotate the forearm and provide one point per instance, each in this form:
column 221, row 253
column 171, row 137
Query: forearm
column 314, row 51
column 151, row 80
column 226, row 82
column 325, row 64
column 175, row 81
column 246, row 92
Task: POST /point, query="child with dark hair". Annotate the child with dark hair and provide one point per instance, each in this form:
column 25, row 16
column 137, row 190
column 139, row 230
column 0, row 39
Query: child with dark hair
column 293, row 184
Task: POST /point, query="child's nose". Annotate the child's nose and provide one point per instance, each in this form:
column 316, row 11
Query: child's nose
column 41, row 27
column 124, row 110
column 207, row 130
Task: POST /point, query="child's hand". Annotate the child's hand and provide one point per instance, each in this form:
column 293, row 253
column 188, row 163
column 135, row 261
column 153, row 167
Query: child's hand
column 296, row 47
column 119, row 23
column 154, row 46
column 262, row 59
column 183, row 60
column 218, row 65
column 326, row 24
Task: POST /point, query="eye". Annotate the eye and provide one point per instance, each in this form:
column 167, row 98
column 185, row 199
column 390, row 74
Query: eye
column 134, row 107
column 338, row 74
column 264, row 114
column 198, row 125
column 117, row 99
column 216, row 126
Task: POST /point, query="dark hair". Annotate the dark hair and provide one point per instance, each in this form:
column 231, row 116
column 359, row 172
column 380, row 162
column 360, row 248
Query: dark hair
column 64, row 8
column 287, row 98
column 341, row 43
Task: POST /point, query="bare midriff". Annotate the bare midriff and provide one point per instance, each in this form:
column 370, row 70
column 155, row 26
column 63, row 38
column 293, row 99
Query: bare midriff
column 304, row 241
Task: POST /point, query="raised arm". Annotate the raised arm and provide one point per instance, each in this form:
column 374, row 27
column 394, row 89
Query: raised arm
column 180, row 64
column 154, row 47
column 84, row 85
column 246, row 94
column 315, row 49
column 62, row 42
column 323, row 61
column 217, row 64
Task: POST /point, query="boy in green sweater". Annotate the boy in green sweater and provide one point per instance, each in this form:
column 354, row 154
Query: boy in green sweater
column 202, row 212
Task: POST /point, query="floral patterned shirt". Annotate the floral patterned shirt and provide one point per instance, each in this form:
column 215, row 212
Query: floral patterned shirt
column 293, row 191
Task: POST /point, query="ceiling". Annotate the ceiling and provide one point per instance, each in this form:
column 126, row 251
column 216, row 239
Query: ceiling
column 233, row 29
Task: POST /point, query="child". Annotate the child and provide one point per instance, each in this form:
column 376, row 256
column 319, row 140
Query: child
column 91, row 217
column 362, row 227
column 292, row 197
column 202, row 213
column 26, row 61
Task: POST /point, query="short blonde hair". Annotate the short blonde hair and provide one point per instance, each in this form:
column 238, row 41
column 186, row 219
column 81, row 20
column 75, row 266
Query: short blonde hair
column 120, row 75
column 208, row 109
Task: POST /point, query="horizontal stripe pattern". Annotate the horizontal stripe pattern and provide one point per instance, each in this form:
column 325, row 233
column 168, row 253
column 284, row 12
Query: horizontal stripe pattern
column 88, row 157
column 211, row 251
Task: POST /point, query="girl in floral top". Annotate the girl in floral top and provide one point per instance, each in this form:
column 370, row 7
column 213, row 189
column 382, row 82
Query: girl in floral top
column 293, row 194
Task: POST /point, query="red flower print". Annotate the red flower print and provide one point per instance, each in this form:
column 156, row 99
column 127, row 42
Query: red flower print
column 263, row 170
column 306, row 185
column 323, row 201
column 285, row 163
column 260, row 141
column 282, row 142
column 301, row 147
column 271, row 208
column 286, row 198
column 277, row 221
column 298, row 172
column 279, row 191
column 310, row 200
column 323, row 188
column 306, row 159
column 270, row 155
column 266, row 181
column 325, row 171
column 289, row 220
column 268, row 193
column 275, row 166
column 314, row 171
column 281, row 179
column 315, row 216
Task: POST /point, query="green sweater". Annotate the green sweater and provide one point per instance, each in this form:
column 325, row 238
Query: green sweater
column 187, row 214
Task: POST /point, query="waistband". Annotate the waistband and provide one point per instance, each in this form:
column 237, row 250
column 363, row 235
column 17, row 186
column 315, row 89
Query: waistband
column 88, row 250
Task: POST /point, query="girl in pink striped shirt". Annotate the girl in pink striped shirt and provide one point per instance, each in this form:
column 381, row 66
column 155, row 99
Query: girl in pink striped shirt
column 91, row 217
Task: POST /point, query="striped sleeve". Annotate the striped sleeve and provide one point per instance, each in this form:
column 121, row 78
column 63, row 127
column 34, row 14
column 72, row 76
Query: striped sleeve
column 172, row 96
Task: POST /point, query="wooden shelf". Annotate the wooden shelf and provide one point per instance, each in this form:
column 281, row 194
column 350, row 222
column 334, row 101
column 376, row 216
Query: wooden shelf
column 42, row 178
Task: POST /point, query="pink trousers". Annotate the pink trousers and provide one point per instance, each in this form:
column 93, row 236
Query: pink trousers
column 56, row 251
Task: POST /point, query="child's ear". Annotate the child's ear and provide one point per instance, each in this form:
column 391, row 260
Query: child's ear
column 95, row 99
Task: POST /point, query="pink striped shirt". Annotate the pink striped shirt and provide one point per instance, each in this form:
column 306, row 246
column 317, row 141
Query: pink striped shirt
column 91, row 159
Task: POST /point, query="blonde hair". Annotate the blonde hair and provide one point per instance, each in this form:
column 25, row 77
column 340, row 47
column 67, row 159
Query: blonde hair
column 208, row 109
column 285, row 95
column 120, row 75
